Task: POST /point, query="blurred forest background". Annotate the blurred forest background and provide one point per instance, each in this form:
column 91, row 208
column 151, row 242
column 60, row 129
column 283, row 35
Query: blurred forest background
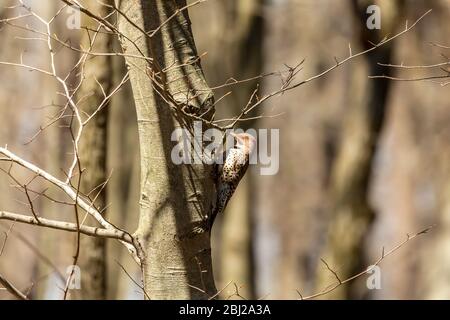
column 363, row 162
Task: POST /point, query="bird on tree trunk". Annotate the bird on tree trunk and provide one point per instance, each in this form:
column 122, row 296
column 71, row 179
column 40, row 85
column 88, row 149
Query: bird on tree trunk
column 231, row 172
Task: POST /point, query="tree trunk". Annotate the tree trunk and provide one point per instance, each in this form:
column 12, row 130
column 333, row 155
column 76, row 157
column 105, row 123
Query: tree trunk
column 123, row 188
column 174, row 199
column 351, row 172
column 46, row 278
column 93, row 152
column 434, row 279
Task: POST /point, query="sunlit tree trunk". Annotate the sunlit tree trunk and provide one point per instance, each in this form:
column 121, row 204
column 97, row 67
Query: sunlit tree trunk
column 174, row 199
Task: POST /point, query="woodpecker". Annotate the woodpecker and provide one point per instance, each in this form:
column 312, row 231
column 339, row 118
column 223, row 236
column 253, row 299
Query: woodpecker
column 231, row 172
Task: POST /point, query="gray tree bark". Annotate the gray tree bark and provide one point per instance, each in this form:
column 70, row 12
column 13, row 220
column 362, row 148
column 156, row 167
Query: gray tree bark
column 174, row 199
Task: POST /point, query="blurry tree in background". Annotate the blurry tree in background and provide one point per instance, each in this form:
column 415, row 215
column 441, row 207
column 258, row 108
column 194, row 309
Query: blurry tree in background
column 123, row 186
column 245, row 31
column 351, row 213
column 98, row 74
column 56, row 148
column 293, row 222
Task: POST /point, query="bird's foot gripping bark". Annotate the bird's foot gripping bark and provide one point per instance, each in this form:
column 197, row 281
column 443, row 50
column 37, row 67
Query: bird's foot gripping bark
column 215, row 173
column 195, row 229
column 209, row 219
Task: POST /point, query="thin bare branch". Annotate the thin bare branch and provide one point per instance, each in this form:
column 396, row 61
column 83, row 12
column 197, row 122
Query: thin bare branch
column 12, row 289
column 367, row 269
column 67, row 226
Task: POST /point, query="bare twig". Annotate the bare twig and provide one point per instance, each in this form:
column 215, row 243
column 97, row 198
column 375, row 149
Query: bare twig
column 430, row 78
column 6, row 233
column 134, row 281
column 368, row 269
column 12, row 289
column 35, row 250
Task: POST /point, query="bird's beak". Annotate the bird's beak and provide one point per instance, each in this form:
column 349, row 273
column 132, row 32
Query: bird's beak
column 235, row 136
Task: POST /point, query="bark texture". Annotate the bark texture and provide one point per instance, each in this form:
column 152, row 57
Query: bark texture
column 174, row 199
